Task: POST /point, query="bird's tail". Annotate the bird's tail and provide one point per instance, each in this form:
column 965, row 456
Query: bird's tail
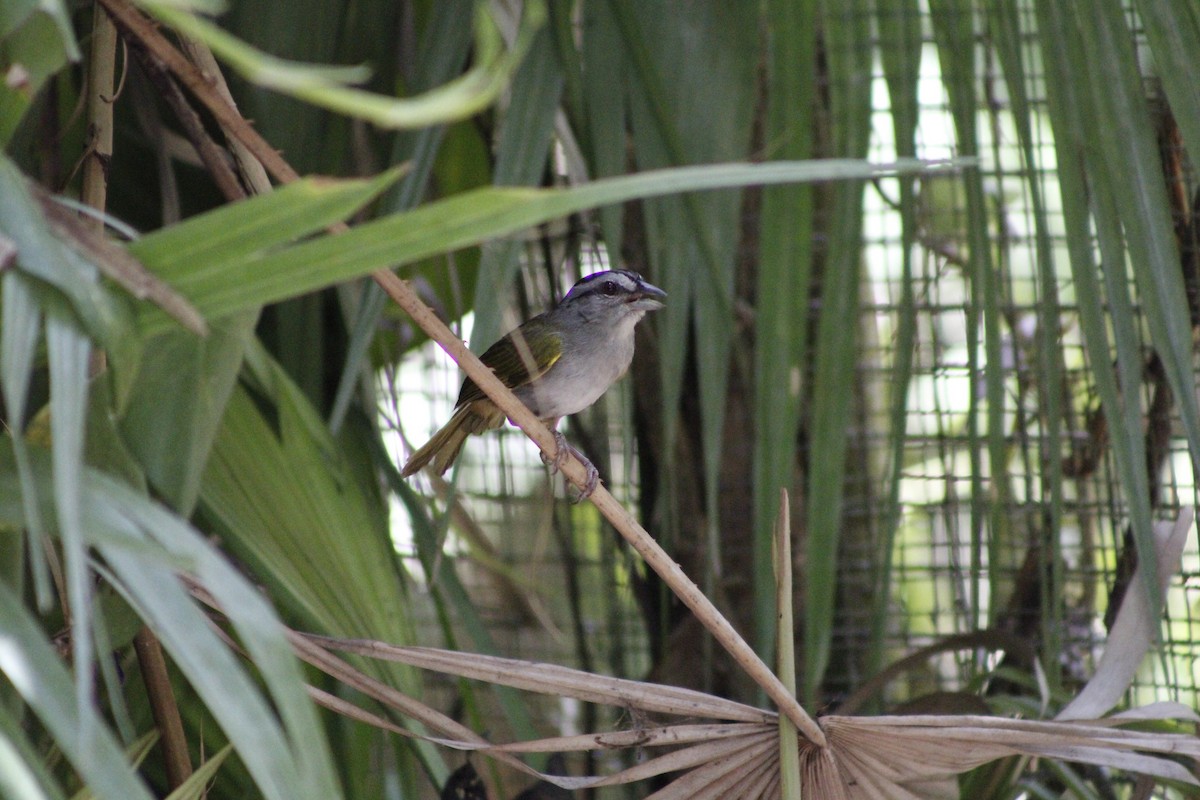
column 443, row 447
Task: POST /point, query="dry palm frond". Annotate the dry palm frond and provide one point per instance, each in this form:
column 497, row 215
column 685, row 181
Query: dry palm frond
column 729, row 775
column 694, row 745
column 872, row 758
column 892, row 757
column 866, row 757
column 556, row 680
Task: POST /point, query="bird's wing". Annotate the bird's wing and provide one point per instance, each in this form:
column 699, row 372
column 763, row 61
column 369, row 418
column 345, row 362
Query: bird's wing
column 524, row 355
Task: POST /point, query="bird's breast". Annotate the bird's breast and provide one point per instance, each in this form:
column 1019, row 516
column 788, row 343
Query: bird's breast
column 577, row 380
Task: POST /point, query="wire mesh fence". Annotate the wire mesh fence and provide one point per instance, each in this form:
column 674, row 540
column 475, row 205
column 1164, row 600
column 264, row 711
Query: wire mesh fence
column 1011, row 514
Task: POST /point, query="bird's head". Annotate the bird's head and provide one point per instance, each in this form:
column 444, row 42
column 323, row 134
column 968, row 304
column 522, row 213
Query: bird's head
column 612, row 291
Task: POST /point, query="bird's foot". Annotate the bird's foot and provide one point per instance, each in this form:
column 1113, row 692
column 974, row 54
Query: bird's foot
column 590, row 482
column 562, row 451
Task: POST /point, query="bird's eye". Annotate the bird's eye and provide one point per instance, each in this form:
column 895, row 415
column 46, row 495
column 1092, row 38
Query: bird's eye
column 610, row 288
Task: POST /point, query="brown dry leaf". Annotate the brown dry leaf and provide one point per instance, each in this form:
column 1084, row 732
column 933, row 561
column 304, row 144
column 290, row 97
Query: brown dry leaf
column 379, row 691
column 726, row 776
column 714, row 745
column 820, row 776
column 766, row 782
column 663, row 736
column 705, row 743
column 119, row 265
column 697, row 756
column 556, row 680
column 874, row 758
column 901, row 756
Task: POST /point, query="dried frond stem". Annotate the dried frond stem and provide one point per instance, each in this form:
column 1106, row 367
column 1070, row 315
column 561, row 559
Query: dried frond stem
column 558, row 680
column 250, row 167
column 137, row 28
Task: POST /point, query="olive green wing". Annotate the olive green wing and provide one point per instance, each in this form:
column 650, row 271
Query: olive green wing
column 521, row 356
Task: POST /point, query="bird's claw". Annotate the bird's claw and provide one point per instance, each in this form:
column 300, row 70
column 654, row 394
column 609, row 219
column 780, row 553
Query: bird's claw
column 562, row 451
column 589, row 483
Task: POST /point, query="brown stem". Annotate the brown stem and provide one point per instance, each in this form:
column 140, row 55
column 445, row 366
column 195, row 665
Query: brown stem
column 100, row 98
column 251, row 169
column 101, row 76
column 193, row 127
column 163, row 706
column 137, row 28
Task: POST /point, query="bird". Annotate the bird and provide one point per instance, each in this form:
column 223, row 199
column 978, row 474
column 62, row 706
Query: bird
column 557, row 363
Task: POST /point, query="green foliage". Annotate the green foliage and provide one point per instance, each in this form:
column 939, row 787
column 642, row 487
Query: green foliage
column 330, row 87
column 36, row 41
column 784, row 276
column 836, row 342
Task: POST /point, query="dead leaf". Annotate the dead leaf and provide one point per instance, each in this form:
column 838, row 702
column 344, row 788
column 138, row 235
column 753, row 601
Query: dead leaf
column 1131, row 637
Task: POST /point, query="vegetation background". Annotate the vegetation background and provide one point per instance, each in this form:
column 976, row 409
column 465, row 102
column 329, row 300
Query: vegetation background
column 977, row 382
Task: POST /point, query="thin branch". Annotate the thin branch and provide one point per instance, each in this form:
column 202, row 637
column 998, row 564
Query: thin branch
column 253, row 174
column 163, row 706
column 136, row 27
column 209, row 151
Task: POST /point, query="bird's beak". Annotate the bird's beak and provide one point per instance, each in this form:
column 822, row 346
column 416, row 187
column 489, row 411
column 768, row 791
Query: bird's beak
column 649, row 297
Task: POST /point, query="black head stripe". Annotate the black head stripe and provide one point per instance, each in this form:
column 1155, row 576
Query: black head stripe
column 595, row 283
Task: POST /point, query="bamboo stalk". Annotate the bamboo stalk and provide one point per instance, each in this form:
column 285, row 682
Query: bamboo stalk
column 101, row 78
column 100, row 98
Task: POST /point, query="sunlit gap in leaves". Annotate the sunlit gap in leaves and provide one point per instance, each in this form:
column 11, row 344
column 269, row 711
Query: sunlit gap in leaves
column 931, row 591
column 417, row 397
